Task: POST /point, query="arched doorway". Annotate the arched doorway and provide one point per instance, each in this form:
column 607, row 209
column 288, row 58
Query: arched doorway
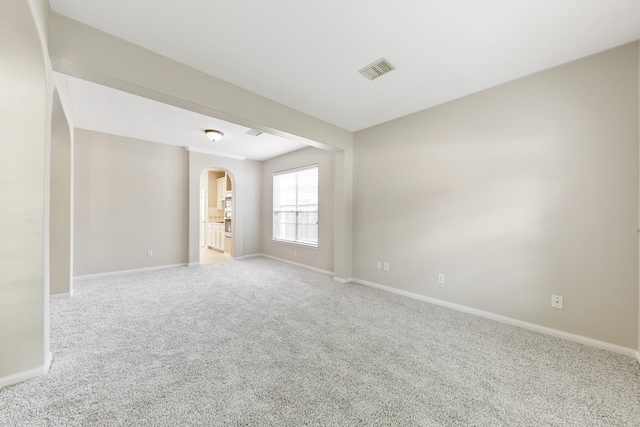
column 216, row 217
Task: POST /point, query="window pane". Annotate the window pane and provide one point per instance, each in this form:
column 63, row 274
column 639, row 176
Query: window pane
column 295, row 206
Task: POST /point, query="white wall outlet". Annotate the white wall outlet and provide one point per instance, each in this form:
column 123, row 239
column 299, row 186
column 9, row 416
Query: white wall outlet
column 386, row 266
column 149, row 253
column 440, row 278
column 556, row 301
column 379, row 265
column 295, row 252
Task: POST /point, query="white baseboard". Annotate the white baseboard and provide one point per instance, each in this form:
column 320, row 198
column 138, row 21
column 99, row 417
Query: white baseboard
column 193, row 264
column 343, row 281
column 638, row 356
column 247, row 256
column 27, row 375
column 60, row 296
column 47, row 363
column 508, row 320
column 121, row 272
column 308, row 267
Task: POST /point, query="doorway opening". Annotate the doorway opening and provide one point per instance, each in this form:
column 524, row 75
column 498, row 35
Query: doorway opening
column 216, row 235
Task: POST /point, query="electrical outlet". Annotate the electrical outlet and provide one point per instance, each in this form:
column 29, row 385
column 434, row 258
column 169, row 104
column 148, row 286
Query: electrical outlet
column 556, row 301
column 379, row 265
column 386, row 266
column 295, row 252
column 149, row 253
column 440, row 278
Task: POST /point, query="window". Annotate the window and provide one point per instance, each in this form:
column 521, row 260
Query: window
column 295, row 205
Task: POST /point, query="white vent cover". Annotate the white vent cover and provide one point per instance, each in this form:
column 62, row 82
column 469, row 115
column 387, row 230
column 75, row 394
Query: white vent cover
column 253, row 132
column 378, row 68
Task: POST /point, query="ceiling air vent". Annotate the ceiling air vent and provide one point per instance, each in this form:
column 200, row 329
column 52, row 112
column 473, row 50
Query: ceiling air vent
column 378, row 68
column 253, row 132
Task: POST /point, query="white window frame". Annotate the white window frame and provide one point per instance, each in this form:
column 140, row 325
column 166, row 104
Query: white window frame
column 277, row 224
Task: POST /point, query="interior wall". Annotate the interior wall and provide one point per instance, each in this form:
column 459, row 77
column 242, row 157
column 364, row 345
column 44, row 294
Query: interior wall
column 244, row 184
column 130, row 197
column 322, row 256
column 253, row 197
column 343, row 215
column 516, row 193
column 24, row 130
column 60, row 265
column 87, row 53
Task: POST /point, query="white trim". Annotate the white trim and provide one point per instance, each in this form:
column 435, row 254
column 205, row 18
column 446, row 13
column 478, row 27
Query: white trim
column 47, row 363
column 294, row 243
column 61, row 296
column 27, row 375
column 308, row 267
column 214, row 153
column 247, row 256
column 296, row 169
column 121, row 272
column 342, row 281
column 193, row 264
column 638, row 356
column 508, row 320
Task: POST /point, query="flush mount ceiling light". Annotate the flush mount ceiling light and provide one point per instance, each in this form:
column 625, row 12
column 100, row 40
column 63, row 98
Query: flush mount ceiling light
column 214, row 135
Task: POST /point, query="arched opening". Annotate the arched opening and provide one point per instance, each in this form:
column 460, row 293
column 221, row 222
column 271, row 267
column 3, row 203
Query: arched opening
column 216, row 216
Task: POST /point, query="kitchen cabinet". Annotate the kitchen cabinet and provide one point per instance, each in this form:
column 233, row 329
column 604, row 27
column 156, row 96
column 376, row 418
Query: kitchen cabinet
column 207, row 235
column 215, row 236
column 221, row 191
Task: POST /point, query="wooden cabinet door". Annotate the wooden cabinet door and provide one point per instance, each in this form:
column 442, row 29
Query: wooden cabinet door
column 221, row 191
column 208, row 233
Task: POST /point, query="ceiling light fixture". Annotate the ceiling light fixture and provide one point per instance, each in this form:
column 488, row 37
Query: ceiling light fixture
column 214, row 135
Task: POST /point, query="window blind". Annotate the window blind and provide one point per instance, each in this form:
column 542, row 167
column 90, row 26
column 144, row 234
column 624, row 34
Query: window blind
column 295, row 205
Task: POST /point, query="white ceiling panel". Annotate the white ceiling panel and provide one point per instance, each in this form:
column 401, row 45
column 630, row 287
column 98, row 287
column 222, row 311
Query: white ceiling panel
column 307, row 54
column 103, row 109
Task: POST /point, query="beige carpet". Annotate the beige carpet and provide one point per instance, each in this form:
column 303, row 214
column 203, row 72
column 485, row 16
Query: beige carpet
column 262, row 343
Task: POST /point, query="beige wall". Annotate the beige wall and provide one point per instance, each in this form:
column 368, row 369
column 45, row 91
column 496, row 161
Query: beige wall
column 25, row 107
column 322, row 256
column 516, row 193
column 60, row 243
column 87, row 53
column 343, row 216
column 130, row 197
column 252, row 206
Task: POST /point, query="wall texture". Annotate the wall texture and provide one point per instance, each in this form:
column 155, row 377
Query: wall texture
column 130, row 197
column 322, row 256
column 252, row 205
column 24, row 112
column 516, row 193
column 61, row 219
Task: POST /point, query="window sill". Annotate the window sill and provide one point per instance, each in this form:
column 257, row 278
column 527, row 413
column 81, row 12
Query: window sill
column 287, row 242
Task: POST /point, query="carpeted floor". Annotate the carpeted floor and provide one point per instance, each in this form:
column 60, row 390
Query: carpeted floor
column 262, row 343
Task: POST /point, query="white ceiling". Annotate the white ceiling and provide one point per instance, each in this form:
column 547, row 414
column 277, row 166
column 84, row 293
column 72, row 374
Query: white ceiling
column 306, row 54
column 107, row 110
